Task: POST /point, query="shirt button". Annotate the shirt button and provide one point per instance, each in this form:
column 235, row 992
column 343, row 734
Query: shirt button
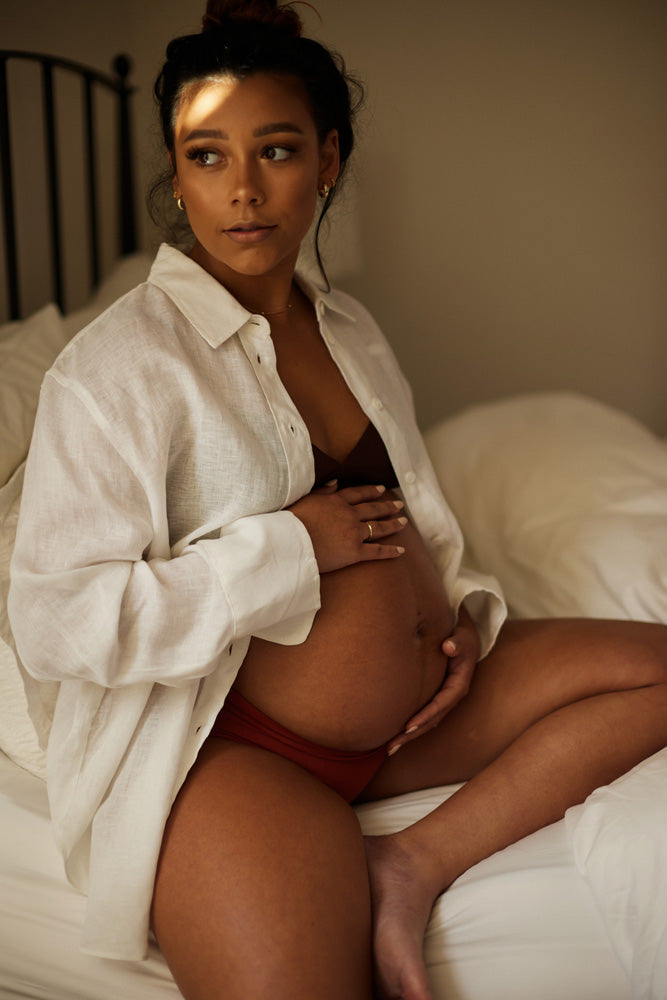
column 438, row 540
column 410, row 477
column 377, row 404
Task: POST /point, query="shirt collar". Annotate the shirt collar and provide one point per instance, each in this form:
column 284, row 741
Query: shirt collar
column 208, row 306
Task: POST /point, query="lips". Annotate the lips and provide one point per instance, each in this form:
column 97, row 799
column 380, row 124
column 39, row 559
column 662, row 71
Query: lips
column 249, row 232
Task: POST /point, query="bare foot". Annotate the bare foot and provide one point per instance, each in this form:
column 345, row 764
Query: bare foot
column 402, row 904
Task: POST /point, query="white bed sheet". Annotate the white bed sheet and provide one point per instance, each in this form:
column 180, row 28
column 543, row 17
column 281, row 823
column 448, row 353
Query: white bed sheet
column 41, row 914
column 521, row 925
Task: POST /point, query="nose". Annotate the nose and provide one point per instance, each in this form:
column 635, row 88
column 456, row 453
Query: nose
column 246, row 184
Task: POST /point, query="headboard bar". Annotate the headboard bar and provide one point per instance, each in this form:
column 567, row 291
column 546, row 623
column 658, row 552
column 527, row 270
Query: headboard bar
column 53, row 185
column 90, row 78
column 11, row 262
column 91, row 179
column 122, row 65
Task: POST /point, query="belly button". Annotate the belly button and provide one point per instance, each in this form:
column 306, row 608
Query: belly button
column 421, row 628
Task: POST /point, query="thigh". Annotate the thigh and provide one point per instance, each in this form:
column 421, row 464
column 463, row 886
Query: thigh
column 535, row 668
column 262, row 886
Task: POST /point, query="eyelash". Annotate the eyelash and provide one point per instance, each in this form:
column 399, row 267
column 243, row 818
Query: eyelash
column 291, row 150
column 197, row 153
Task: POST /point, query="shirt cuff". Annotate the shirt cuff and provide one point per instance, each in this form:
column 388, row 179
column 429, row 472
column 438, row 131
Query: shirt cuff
column 267, row 569
column 484, row 603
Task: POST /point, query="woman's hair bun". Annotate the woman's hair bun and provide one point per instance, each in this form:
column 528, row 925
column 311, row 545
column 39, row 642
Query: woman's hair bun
column 268, row 12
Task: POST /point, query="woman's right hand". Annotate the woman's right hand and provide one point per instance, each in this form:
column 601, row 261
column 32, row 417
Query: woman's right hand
column 346, row 526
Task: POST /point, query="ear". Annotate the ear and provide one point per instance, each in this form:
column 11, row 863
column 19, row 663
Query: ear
column 329, row 158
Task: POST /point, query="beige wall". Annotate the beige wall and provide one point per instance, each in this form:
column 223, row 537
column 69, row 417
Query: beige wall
column 508, row 215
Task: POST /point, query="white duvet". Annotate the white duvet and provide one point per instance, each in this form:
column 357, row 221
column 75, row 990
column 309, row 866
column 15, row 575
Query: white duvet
column 619, row 844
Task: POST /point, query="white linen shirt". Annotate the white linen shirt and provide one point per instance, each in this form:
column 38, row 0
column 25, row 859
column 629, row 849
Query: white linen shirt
column 153, row 542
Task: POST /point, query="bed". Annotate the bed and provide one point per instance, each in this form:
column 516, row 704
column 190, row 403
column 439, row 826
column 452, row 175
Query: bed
column 564, row 499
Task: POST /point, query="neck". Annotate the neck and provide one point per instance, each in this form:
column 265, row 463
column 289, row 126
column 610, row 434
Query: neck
column 275, row 312
column 268, row 294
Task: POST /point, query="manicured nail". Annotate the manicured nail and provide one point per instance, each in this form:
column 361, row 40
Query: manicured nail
column 380, row 489
column 400, row 550
column 393, row 750
column 412, row 729
column 398, row 504
column 402, row 520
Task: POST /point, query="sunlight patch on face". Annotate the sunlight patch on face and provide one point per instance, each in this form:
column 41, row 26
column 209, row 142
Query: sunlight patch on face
column 194, row 94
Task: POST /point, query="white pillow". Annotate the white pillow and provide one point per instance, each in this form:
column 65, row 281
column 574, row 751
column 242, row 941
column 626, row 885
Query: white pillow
column 563, row 499
column 18, row 736
column 27, row 350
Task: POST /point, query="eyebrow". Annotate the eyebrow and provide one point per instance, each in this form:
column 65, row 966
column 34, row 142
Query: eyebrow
column 271, row 129
column 277, row 127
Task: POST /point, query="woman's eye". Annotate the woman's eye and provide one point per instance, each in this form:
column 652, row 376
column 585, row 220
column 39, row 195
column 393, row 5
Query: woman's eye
column 205, row 157
column 278, row 152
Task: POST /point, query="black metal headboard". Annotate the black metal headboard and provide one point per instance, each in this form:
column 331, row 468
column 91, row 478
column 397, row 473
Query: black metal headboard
column 91, row 82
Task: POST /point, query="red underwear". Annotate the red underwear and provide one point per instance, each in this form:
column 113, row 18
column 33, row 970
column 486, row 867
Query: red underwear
column 346, row 771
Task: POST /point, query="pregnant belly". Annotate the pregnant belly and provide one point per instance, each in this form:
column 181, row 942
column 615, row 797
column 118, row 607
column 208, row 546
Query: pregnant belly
column 371, row 660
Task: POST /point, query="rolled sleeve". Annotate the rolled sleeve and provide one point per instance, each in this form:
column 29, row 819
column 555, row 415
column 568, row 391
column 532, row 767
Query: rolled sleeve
column 484, row 603
column 269, row 556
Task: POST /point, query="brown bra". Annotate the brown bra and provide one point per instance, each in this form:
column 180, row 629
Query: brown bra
column 367, row 464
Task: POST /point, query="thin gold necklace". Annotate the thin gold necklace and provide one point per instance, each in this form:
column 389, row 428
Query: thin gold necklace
column 276, row 312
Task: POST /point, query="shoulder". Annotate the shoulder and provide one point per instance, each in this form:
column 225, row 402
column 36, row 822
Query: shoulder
column 135, row 328
column 343, row 312
column 361, row 333
column 118, row 372
column 345, row 304
column 158, row 310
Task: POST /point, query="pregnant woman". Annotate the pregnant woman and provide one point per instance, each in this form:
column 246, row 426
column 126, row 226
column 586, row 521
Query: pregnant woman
column 234, row 559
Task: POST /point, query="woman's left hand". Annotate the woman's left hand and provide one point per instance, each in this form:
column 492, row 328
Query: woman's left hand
column 462, row 648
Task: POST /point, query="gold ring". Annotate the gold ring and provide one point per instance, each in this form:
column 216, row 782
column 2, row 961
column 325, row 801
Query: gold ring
column 370, row 532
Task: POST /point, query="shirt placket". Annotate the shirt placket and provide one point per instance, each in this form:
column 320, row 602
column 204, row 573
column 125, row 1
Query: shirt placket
column 291, row 428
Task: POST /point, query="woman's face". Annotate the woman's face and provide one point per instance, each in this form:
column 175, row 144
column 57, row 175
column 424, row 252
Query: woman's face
column 247, row 163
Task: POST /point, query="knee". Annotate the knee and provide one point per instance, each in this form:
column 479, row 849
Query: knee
column 644, row 655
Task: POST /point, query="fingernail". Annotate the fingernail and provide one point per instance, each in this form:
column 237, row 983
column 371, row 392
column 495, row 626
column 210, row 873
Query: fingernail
column 412, row 729
column 402, row 520
column 398, row 505
column 393, row 750
column 332, row 482
column 380, row 489
column 400, row 550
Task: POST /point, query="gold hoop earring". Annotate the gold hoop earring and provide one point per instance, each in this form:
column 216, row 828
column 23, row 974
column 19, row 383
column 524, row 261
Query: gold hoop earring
column 179, row 201
column 326, row 188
